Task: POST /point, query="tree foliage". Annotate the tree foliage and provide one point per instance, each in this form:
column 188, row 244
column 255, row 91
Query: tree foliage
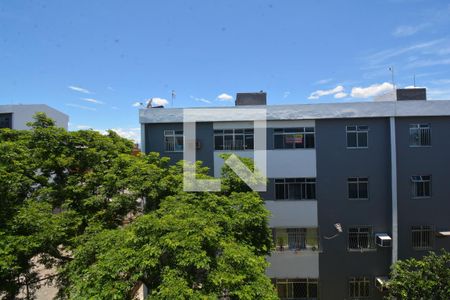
column 426, row 278
column 67, row 198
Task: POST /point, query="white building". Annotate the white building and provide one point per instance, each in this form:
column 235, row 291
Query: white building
column 17, row 116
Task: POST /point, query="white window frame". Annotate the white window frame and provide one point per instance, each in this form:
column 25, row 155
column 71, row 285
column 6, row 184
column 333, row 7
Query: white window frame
column 233, row 134
column 424, row 130
column 421, row 230
column 296, row 239
column 9, row 119
column 357, row 181
column 421, row 179
column 310, row 130
column 173, row 135
column 359, row 235
column 357, row 129
column 357, row 285
column 289, row 287
column 304, row 182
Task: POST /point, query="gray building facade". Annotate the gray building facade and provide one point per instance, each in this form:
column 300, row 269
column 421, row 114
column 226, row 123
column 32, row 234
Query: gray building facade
column 352, row 186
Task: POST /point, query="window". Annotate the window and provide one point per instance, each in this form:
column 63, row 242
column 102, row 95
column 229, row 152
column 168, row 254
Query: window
column 293, row 289
column 419, row 135
column 360, row 237
column 357, row 137
column 233, row 139
column 173, row 140
column 6, row 120
column 295, row 188
column 295, row 238
column 294, row 138
column 421, row 186
column 422, row 237
column 358, row 188
column 359, row 287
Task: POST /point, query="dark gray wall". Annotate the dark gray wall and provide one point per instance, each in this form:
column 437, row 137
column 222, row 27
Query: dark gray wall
column 435, row 161
column 154, row 142
column 335, row 163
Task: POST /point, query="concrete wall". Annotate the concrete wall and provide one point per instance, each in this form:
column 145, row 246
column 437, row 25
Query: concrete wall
column 292, row 264
column 21, row 114
column 335, row 163
column 435, row 161
column 332, row 163
column 154, row 142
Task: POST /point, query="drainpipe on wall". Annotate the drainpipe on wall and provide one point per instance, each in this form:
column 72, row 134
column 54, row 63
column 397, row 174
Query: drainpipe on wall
column 394, row 191
column 143, row 138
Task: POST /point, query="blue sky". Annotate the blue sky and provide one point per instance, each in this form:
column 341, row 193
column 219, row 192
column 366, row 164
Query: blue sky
column 94, row 59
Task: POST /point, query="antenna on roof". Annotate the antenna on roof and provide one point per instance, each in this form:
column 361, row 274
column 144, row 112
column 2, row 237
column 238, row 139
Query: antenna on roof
column 392, row 73
column 173, row 96
column 414, row 79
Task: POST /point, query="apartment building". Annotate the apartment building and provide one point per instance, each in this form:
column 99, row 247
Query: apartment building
column 352, row 187
column 17, row 116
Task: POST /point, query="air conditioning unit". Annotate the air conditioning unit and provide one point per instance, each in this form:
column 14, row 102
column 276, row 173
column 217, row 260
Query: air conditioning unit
column 198, row 145
column 383, row 240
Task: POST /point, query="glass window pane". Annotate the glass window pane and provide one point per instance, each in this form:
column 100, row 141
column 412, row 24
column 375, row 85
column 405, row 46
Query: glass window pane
column 239, row 142
column 363, row 190
column 351, row 140
column 178, row 143
column 279, row 191
column 249, row 142
column 310, row 191
column 427, row 189
column 295, row 191
column 228, row 142
column 362, row 139
column 300, row 290
column 278, row 141
column 353, row 190
column 309, row 141
column 312, row 290
column 289, row 140
column 218, row 142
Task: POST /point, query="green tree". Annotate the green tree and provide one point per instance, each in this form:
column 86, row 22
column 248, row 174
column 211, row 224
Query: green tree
column 66, row 198
column 426, row 278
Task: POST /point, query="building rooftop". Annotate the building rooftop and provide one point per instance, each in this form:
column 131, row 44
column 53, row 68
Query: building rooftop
column 369, row 109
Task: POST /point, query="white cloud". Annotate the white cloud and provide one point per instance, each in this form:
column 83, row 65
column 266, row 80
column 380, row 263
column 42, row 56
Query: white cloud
column 319, row 93
column 428, row 63
column 158, row 101
column 79, row 89
column 323, row 81
column 381, row 56
column 405, row 30
column 440, row 81
column 129, row 133
column 370, row 91
column 340, row 95
column 286, row 94
column 83, row 127
column 200, row 99
column 155, row 102
column 225, row 97
column 80, row 106
column 92, row 100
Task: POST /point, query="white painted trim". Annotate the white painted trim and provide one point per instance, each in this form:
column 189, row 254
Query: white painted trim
column 233, row 125
column 143, row 138
column 394, row 191
column 291, row 123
